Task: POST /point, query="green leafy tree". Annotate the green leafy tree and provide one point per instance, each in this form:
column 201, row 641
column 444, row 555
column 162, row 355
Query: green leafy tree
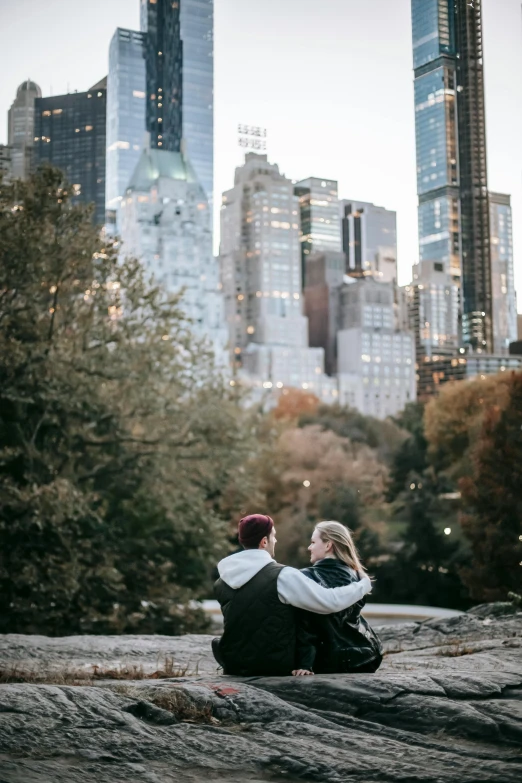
column 492, row 500
column 411, row 455
column 119, row 445
column 340, row 502
column 426, row 568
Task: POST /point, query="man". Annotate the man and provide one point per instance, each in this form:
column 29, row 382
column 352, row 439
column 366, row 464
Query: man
column 257, row 598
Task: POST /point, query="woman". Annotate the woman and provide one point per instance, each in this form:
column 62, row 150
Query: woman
column 341, row 642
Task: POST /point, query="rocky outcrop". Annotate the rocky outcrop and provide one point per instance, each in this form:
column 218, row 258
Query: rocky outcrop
column 445, row 706
column 181, row 654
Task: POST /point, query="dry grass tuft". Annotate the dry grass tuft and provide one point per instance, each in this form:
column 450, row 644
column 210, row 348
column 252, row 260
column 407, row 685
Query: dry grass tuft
column 456, row 651
column 68, row 676
column 173, row 699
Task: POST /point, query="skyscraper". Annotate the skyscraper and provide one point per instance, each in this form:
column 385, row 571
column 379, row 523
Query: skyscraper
column 376, row 361
column 70, row 133
column 163, row 52
column 126, row 102
column 433, row 314
column 165, row 221
column 180, row 80
column 325, row 272
column 502, row 273
column 20, row 132
column 197, row 35
column 369, row 236
column 261, row 275
column 451, row 155
column 434, row 305
column 260, row 257
column 319, row 216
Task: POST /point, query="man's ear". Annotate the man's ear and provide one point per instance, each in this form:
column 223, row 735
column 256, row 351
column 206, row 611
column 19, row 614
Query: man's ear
column 263, row 543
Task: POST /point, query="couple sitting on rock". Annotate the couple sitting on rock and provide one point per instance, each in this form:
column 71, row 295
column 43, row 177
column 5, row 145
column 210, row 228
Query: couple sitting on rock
column 280, row 621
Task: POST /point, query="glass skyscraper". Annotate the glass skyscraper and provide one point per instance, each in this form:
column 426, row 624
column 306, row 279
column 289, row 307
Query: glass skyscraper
column 180, row 80
column 70, row 133
column 451, row 155
column 126, row 101
column 320, row 218
column 197, row 34
column 163, row 52
column 369, row 236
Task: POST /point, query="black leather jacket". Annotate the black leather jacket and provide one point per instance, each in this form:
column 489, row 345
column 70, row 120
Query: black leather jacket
column 335, row 642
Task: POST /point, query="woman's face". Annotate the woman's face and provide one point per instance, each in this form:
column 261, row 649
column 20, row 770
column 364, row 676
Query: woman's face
column 318, row 548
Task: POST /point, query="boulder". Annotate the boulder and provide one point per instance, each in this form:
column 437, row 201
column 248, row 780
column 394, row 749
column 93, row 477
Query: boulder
column 446, row 705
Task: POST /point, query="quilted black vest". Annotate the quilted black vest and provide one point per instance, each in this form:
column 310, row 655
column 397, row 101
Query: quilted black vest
column 259, row 631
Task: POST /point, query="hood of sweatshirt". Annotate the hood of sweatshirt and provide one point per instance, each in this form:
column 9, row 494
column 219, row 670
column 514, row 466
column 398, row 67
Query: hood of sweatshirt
column 236, row 570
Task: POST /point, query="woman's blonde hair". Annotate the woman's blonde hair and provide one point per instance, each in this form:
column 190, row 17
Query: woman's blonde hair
column 343, row 547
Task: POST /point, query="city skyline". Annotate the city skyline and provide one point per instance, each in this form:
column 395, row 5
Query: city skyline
column 373, row 158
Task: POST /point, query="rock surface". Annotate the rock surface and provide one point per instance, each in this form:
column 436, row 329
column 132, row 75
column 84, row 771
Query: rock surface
column 446, row 705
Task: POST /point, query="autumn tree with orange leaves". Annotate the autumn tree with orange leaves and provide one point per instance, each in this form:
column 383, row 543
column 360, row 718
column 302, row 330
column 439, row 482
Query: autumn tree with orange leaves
column 453, row 420
column 492, row 499
column 294, row 403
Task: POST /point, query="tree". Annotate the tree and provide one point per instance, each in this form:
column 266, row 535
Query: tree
column 492, row 500
column 411, row 455
column 118, row 442
column 426, row 568
column 340, row 502
column 383, row 436
column 453, row 420
column 312, row 474
column 293, row 403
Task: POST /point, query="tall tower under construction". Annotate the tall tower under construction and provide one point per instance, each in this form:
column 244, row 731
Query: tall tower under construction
column 454, row 230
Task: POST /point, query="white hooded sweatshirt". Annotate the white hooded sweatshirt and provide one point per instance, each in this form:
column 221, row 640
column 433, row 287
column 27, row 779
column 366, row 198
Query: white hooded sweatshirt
column 293, row 587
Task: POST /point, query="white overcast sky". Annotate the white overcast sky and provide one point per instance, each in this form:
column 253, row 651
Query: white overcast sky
column 331, row 80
